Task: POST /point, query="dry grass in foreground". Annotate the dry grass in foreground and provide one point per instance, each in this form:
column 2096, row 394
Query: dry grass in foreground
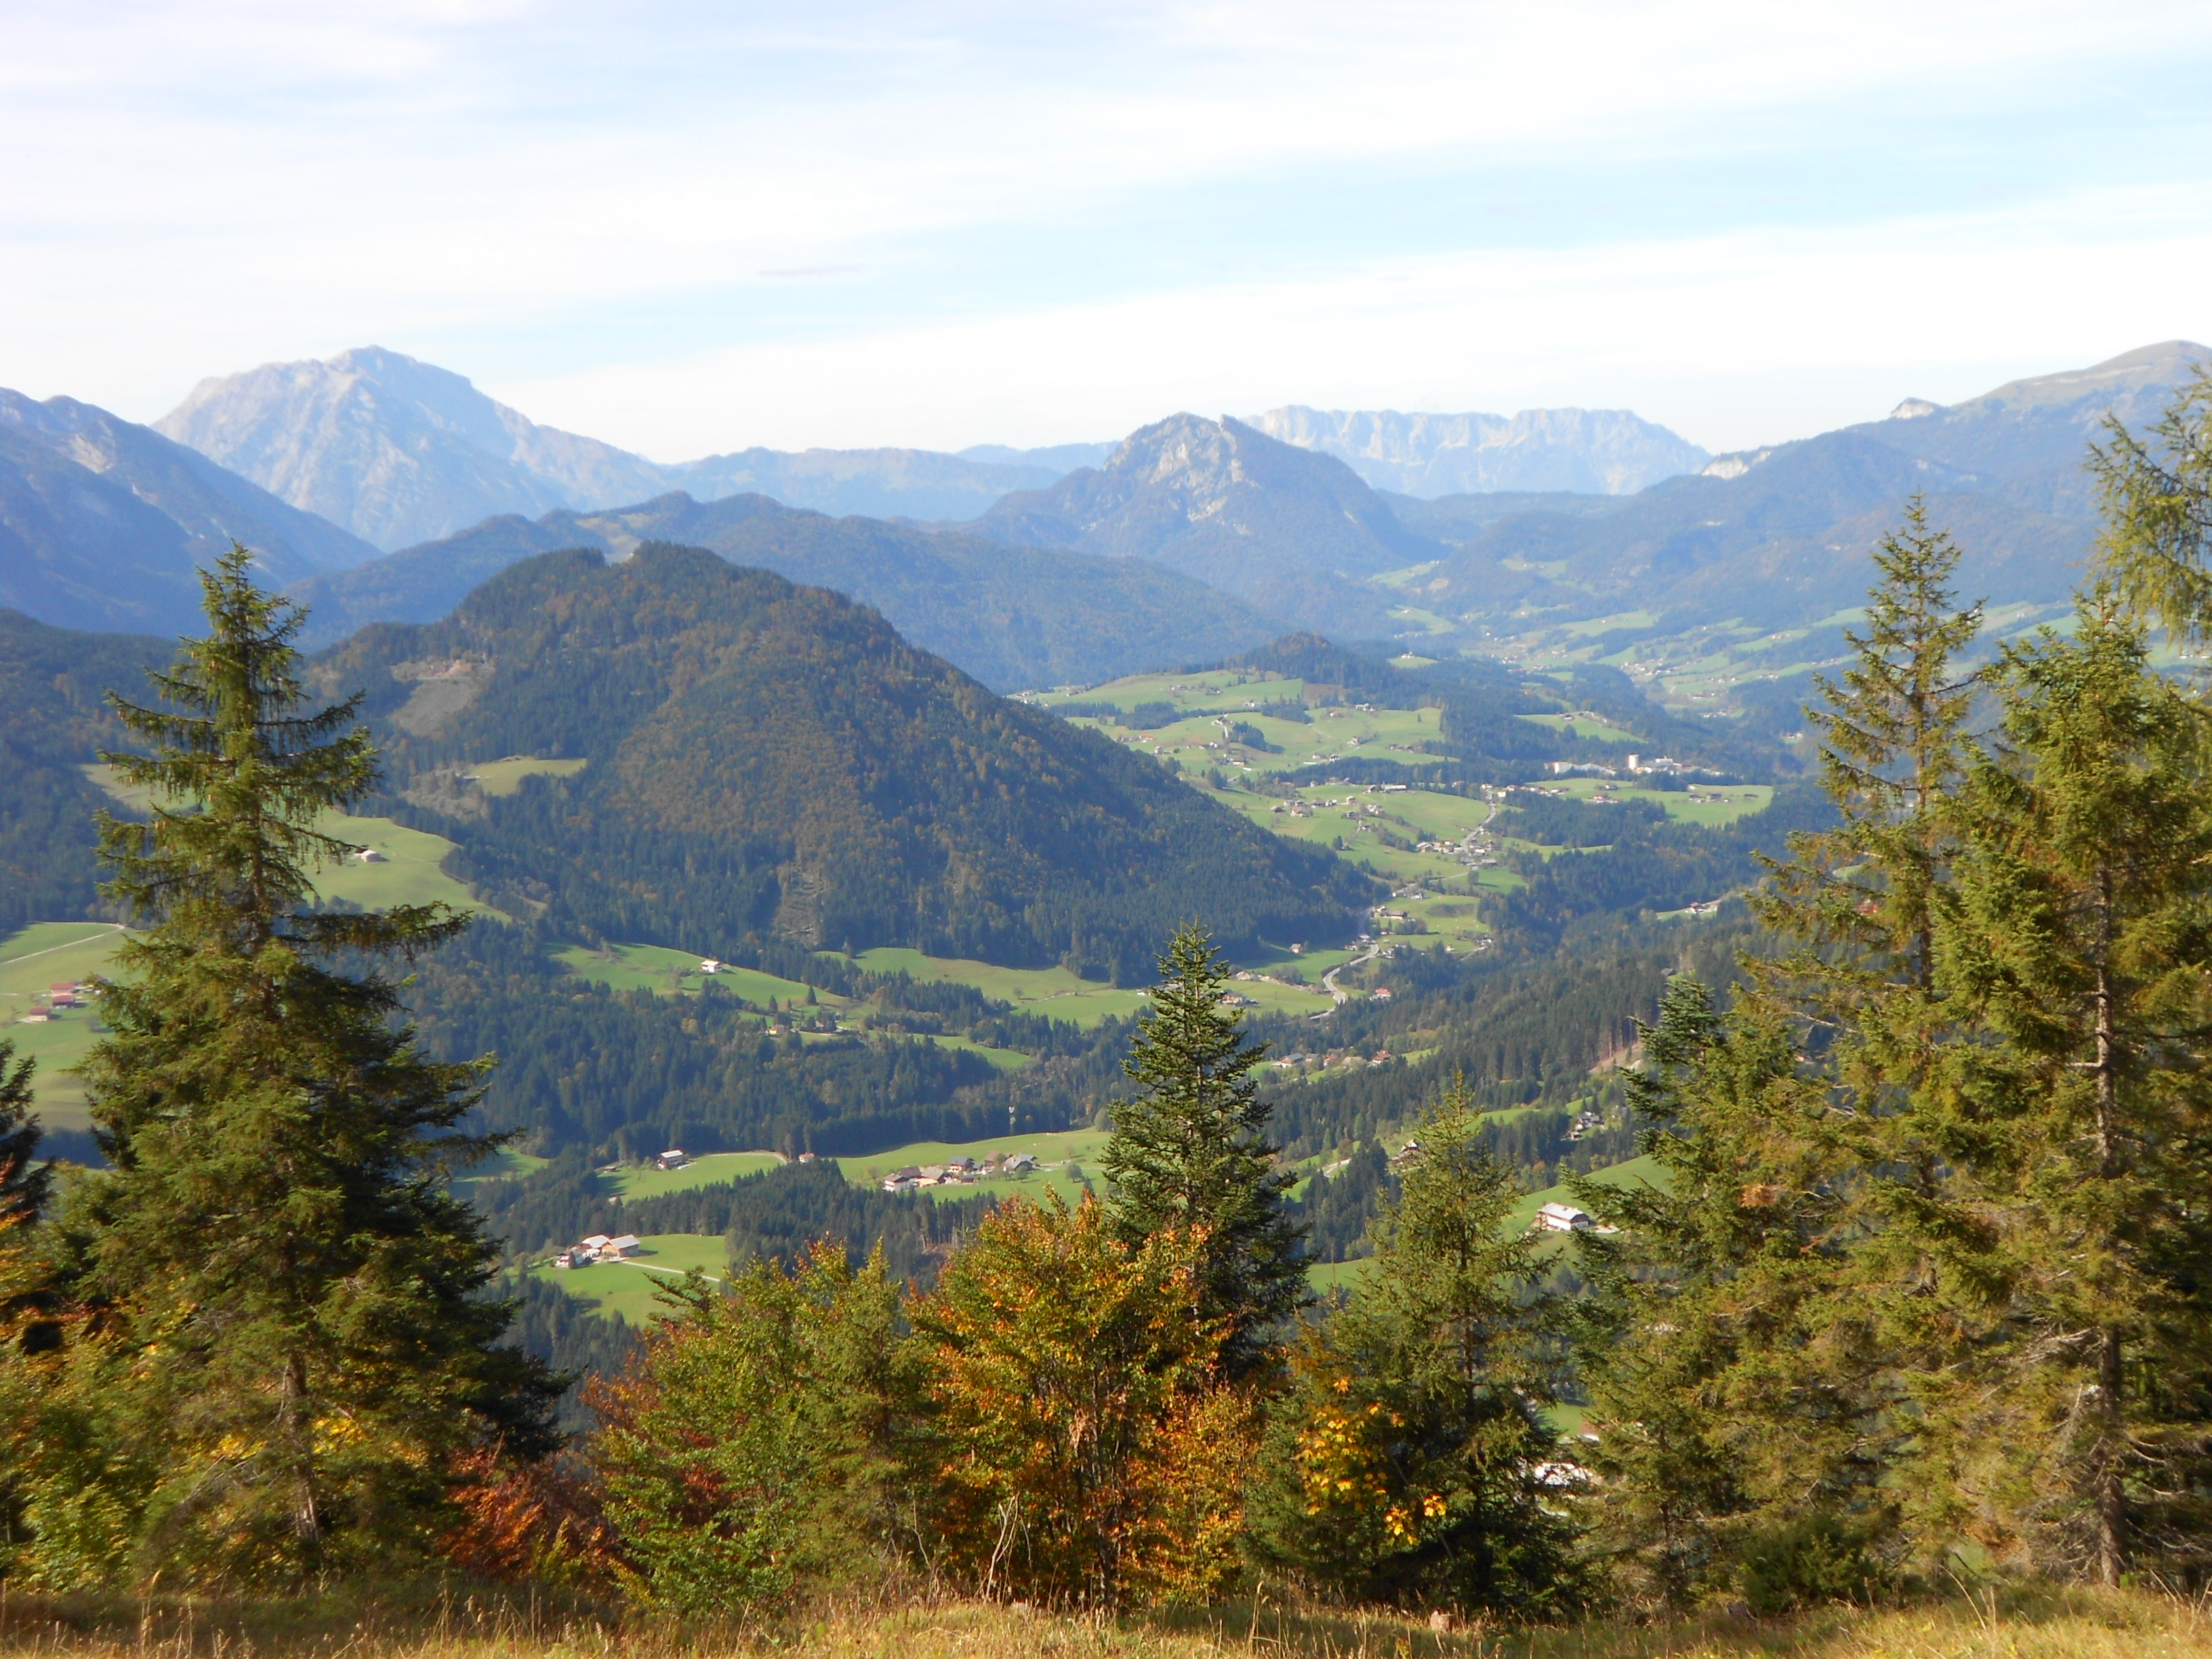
column 2043, row 1625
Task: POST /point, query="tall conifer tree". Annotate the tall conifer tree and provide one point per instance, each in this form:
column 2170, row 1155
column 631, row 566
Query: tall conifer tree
column 1189, row 1150
column 1738, row 1389
column 278, row 1226
column 2076, row 943
column 1408, row 1463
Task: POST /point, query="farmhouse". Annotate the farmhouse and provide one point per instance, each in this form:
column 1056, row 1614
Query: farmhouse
column 1557, row 1217
column 673, row 1158
column 628, row 1244
column 369, row 856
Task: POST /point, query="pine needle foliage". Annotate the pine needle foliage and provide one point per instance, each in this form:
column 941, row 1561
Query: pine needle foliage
column 24, row 1181
column 2076, row 943
column 1189, row 1153
column 1407, row 1463
column 291, row 1295
column 1737, row 1388
column 2157, row 498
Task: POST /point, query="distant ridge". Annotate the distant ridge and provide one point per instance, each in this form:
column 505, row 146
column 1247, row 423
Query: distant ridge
column 1284, row 529
column 1013, row 617
column 104, row 524
column 1600, row 452
column 402, row 452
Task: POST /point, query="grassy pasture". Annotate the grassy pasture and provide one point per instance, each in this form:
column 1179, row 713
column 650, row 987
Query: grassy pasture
column 629, row 1287
column 1218, row 690
column 1706, row 803
column 1055, row 992
column 671, row 972
column 42, row 954
column 1596, row 731
column 410, row 874
column 1052, row 1149
column 644, row 1181
column 1194, row 745
column 504, row 777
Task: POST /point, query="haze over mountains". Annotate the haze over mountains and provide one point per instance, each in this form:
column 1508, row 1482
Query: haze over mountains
column 1011, row 617
column 402, row 452
column 1282, row 528
column 1781, row 536
column 1190, row 538
column 1602, row 451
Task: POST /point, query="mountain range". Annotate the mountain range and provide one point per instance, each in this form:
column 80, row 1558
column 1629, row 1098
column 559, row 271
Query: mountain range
column 1011, row 617
column 1781, row 536
column 1605, row 452
column 104, row 524
column 403, row 451
column 1286, row 529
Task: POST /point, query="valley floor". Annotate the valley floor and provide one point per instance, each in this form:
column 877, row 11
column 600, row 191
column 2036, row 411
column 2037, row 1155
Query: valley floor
column 2049, row 1625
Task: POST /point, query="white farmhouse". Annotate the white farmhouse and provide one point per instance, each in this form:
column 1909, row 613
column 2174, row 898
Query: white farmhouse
column 1563, row 1218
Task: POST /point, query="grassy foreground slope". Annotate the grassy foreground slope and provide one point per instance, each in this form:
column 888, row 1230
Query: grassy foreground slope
column 433, row 1622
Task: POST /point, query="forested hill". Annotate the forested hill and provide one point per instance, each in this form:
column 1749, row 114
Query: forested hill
column 765, row 759
column 1011, row 617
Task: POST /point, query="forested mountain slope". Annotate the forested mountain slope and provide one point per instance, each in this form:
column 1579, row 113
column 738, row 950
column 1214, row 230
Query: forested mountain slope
column 1781, row 536
column 1013, row 617
column 104, row 524
column 773, row 761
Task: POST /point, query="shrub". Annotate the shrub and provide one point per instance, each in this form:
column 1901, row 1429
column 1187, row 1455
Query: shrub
column 1816, row 1559
column 1085, row 1451
column 748, row 1450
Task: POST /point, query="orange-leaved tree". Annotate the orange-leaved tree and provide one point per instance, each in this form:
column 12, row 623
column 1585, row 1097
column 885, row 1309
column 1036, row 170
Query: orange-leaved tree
column 1088, row 1449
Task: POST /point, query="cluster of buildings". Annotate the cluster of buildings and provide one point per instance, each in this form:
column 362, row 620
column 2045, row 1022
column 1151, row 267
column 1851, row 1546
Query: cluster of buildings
column 57, row 999
column 598, row 1248
column 958, row 1172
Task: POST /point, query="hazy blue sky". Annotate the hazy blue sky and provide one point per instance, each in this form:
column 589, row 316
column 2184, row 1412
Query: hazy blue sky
column 687, row 227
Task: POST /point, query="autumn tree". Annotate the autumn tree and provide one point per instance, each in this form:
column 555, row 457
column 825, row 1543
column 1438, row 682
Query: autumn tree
column 751, row 1449
column 1086, row 1449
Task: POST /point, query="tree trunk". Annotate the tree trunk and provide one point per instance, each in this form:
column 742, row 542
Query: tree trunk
column 2110, row 1475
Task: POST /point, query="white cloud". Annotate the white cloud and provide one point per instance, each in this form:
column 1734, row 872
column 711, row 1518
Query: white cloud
column 1733, row 340
column 555, row 195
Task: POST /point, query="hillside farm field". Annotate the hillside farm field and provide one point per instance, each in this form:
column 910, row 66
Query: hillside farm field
column 44, row 954
column 1054, row 993
column 631, row 1287
column 504, row 777
column 673, row 972
column 409, row 869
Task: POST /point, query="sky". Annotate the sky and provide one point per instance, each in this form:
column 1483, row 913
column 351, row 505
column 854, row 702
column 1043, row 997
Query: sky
column 688, row 228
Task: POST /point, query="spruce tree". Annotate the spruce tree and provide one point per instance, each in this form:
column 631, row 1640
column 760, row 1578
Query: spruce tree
column 1738, row 1387
column 2076, row 943
column 1407, row 1464
column 278, row 1225
column 23, row 1180
column 2157, row 542
column 1895, row 747
column 1189, row 1150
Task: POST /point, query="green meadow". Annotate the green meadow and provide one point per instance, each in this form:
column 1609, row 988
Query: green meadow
column 44, row 954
